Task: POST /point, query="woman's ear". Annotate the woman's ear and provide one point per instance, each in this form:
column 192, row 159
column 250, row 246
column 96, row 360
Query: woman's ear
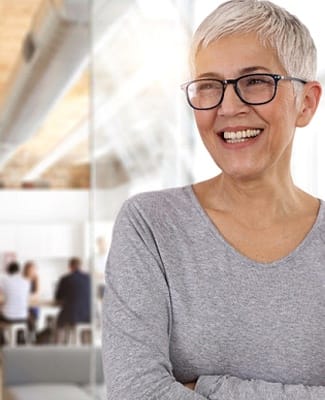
column 309, row 102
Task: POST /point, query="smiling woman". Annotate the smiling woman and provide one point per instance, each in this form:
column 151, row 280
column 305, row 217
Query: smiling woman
column 215, row 289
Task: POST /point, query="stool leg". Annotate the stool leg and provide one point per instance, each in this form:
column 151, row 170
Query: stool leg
column 11, row 334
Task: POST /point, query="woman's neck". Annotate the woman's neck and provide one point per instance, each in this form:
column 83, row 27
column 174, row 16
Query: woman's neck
column 255, row 203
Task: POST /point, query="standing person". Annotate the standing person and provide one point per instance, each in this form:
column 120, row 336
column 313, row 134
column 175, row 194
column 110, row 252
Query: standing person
column 15, row 292
column 73, row 294
column 216, row 290
column 30, row 273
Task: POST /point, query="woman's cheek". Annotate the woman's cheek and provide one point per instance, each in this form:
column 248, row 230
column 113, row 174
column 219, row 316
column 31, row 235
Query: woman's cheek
column 204, row 120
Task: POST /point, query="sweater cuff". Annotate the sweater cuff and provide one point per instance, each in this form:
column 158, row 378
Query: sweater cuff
column 208, row 385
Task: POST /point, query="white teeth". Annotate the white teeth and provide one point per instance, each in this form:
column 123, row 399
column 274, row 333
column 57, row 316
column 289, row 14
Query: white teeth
column 240, row 136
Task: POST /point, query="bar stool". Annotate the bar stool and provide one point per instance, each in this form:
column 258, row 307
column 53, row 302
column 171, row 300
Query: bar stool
column 11, row 330
column 73, row 334
column 79, row 330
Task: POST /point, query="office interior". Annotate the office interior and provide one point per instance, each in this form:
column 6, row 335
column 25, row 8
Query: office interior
column 91, row 112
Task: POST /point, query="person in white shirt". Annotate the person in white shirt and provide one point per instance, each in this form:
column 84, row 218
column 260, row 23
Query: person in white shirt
column 15, row 291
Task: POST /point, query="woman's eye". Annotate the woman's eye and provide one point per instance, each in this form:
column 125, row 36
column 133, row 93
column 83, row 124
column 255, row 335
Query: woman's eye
column 258, row 81
column 205, row 86
column 254, row 81
column 208, row 86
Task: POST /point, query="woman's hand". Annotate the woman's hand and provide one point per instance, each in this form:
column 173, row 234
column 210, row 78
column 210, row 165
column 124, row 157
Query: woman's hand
column 190, row 385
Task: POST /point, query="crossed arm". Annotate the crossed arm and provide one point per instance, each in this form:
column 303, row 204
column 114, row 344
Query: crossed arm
column 232, row 388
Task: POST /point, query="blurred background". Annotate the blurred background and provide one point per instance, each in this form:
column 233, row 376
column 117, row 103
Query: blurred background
column 91, row 112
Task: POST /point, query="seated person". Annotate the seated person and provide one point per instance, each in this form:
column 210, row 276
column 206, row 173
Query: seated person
column 73, row 295
column 15, row 291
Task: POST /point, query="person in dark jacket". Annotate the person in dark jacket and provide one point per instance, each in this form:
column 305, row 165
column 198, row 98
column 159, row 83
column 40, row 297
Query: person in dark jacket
column 73, row 295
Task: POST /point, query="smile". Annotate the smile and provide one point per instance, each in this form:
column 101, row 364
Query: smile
column 241, row 136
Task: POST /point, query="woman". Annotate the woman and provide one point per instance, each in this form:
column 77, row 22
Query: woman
column 30, row 273
column 216, row 290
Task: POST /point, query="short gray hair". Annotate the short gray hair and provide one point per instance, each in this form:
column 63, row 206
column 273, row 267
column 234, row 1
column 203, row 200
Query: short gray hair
column 274, row 26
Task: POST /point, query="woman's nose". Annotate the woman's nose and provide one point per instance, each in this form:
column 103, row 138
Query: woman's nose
column 231, row 103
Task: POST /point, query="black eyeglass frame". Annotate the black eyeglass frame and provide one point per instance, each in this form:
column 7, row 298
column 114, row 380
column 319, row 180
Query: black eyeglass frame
column 226, row 82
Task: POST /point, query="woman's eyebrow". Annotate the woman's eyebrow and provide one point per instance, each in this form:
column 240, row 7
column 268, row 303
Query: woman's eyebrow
column 242, row 71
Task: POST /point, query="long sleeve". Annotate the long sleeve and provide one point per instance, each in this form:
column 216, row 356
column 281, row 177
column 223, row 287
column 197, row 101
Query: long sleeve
column 137, row 317
column 232, row 388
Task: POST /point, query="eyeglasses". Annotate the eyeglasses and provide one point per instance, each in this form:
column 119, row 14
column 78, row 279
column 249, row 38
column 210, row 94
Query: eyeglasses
column 252, row 89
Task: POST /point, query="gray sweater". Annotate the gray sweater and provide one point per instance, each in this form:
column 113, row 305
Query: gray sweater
column 182, row 304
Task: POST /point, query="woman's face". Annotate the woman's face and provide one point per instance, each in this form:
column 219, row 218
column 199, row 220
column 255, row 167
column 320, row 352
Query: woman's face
column 267, row 153
column 31, row 271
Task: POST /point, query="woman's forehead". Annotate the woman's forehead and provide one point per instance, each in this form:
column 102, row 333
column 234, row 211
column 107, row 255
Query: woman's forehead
column 236, row 54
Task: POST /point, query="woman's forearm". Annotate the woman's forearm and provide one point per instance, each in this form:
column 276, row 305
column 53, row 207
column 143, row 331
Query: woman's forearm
column 232, row 388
